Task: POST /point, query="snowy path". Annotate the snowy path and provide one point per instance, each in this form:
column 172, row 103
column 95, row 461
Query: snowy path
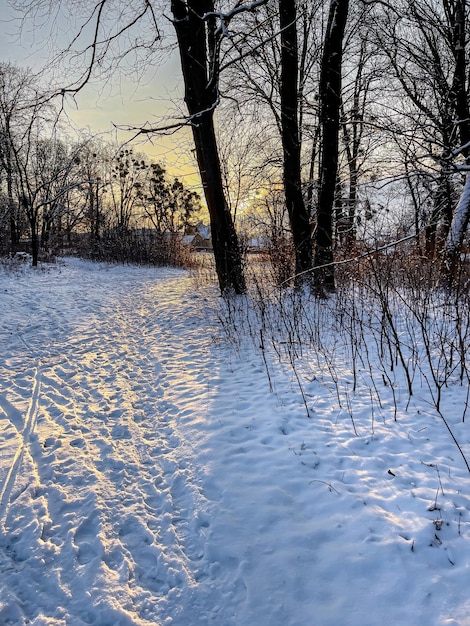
column 149, row 478
column 103, row 484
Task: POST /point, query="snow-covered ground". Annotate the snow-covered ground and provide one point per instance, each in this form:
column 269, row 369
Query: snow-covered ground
column 148, row 475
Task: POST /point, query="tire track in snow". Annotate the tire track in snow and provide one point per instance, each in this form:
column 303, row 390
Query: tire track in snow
column 29, row 424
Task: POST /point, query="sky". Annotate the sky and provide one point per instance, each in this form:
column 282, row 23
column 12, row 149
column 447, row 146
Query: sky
column 121, row 102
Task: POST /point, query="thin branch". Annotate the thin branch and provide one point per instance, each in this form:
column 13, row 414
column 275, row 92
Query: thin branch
column 225, row 18
column 97, row 42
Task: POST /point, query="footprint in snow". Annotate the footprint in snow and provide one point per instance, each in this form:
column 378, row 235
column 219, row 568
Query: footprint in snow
column 87, row 540
column 145, row 556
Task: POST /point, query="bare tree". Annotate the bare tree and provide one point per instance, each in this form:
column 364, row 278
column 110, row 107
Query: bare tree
column 44, row 177
column 199, row 39
column 361, row 144
column 89, row 198
column 16, row 94
column 298, row 214
column 129, row 172
column 330, row 107
column 426, row 44
column 23, row 114
column 168, row 205
column 272, row 84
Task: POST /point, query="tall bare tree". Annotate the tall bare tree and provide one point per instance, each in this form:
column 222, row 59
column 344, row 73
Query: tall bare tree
column 330, row 108
column 16, row 93
column 298, row 214
column 199, row 39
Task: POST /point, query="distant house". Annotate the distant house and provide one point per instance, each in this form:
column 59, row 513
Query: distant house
column 199, row 236
column 258, row 244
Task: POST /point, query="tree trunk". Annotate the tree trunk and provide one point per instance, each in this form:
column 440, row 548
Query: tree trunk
column 227, row 253
column 199, row 65
column 330, row 104
column 456, row 234
column 436, row 232
column 459, row 85
column 33, row 224
column 297, row 210
column 461, row 217
column 34, row 245
column 14, row 226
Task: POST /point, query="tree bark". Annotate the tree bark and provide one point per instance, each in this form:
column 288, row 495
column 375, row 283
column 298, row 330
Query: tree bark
column 199, row 63
column 459, row 84
column 330, row 104
column 456, row 234
column 297, row 210
column 457, row 225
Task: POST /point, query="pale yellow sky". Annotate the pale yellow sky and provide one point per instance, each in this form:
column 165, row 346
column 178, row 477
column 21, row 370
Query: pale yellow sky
column 121, row 102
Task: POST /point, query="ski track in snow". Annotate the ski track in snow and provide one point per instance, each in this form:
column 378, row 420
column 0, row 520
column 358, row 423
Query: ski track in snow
column 25, row 434
column 99, row 415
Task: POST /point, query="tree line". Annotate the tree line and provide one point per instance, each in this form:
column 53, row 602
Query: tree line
column 55, row 191
column 330, row 98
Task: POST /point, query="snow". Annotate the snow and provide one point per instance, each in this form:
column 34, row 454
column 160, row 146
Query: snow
column 148, row 475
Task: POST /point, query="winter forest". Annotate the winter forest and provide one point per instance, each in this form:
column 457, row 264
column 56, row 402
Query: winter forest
column 321, row 129
column 236, row 391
